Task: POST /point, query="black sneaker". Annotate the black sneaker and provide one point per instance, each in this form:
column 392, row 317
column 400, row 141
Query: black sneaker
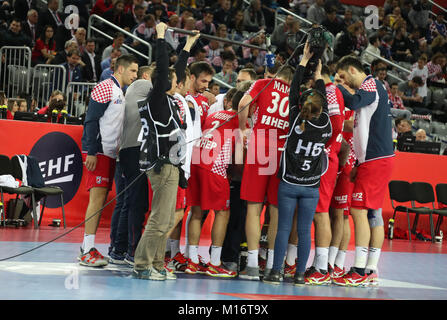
column 274, row 277
column 298, row 279
column 116, row 258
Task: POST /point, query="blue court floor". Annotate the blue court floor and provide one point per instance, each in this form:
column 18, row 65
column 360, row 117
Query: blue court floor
column 406, row 271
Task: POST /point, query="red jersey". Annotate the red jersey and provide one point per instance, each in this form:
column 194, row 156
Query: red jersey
column 348, row 137
column 336, row 106
column 214, row 151
column 201, row 103
column 271, row 113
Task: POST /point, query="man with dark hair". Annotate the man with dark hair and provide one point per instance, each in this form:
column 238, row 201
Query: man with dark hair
column 102, row 129
column 92, row 61
column 410, row 94
column 14, row 36
column 373, row 147
column 118, row 42
column 332, row 23
column 73, row 72
column 246, row 74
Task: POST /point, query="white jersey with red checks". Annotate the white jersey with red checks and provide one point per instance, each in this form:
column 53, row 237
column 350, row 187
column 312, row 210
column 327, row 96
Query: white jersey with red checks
column 214, row 151
column 201, row 104
column 336, row 108
column 272, row 111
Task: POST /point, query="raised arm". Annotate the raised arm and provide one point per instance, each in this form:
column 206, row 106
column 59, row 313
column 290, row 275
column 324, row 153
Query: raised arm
column 182, row 60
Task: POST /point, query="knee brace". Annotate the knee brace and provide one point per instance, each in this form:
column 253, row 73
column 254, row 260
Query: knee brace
column 375, row 218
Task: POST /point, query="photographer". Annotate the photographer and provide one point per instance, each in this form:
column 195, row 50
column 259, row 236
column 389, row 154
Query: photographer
column 58, row 103
column 302, row 164
column 161, row 135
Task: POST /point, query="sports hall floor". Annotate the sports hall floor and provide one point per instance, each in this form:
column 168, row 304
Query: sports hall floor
column 415, row 271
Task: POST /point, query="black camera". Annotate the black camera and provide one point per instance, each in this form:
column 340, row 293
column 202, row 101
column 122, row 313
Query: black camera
column 57, row 105
column 317, row 38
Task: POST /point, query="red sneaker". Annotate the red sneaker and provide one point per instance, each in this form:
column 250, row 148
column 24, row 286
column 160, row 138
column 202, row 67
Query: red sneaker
column 218, row 271
column 373, row 279
column 289, row 271
column 178, row 263
column 313, row 276
column 193, row 268
column 353, row 279
column 337, row 273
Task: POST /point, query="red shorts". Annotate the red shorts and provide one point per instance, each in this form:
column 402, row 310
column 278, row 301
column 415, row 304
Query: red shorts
column 371, row 183
column 256, row 187
column 103, row 174
column 181, row 198
column 207, row 190
column 341, row 198
column 327, row 185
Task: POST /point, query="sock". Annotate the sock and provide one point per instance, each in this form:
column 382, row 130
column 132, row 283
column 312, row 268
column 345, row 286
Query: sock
column 194, row 253
column 340, row 259
column 215, row 255
column 373, row 259
column 89, row 242
column 252, row 259
column 270, row 254
column 361, row 255
column 291, row 254
column 321, row 258
column 332, row 255
column 175, row 247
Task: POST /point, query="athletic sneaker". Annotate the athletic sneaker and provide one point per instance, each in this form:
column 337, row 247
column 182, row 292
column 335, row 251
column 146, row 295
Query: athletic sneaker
column 298, row 279
column 93, row 259
column 353, row 279
column 313, row 276
column 231, row 266
column 129, row 260
column 169, row 273
column 219, row 272
column 150, row 274
column 273, row 277
column 194, row 268
column 373, row 279
column 289, row 271
column 250, row 273
column 178, row 263
column 336, row 273
column 116, row 258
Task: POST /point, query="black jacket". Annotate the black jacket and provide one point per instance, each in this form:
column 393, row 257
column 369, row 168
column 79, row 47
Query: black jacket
column 88, row 68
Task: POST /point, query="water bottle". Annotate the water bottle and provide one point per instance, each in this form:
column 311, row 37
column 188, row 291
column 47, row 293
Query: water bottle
column 390, row 229
column 243, row 256
column 54, row 116
column 269, row 57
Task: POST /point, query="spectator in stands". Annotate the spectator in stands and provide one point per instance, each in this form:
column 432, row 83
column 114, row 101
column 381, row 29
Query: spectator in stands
column 199, row 54
column 439, row 44
column 29, row 26
column 146, row 30
column 410, row 95
column 206, row 25
column 400, row 49
column 421, row 135
column 159, row 10
column 107, row 73
column 52, row 17
column 373, row 47
column 101, row 6
column 185, row 14
column 214, row 88
column 385, row 47
column 22, row 8
column 116, row 16
column 72, row 67
column 134, row 17
column 413, row 42
column 255, row 56
column 438, row 27
column 61, row 56
column 223, row 14
column 172, row 38
column 381, row 75
column 23, row 107
column 237, row 25
column 45, row 49
column 228, row 75
column 435, row 70
column 404, row 132
column 79, row 37
column 398, row 110
column 254, row 17
column 332, row 23
column 279, row 35
column 130, row 5
column 348, row 19
column 222, row 32
column 14, row 36
column 213, row 54
column 316, row 12
column 419, row 15
column 420, row 69
column 118, row 41
column 13, row 107
column 348, row 41
column 92, row 61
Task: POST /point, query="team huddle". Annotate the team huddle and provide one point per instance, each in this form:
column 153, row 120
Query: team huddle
column 307, row 151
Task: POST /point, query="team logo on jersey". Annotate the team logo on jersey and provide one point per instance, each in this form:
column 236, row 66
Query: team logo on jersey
column 298, row 130
column 98, row 180
column 60, row 166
